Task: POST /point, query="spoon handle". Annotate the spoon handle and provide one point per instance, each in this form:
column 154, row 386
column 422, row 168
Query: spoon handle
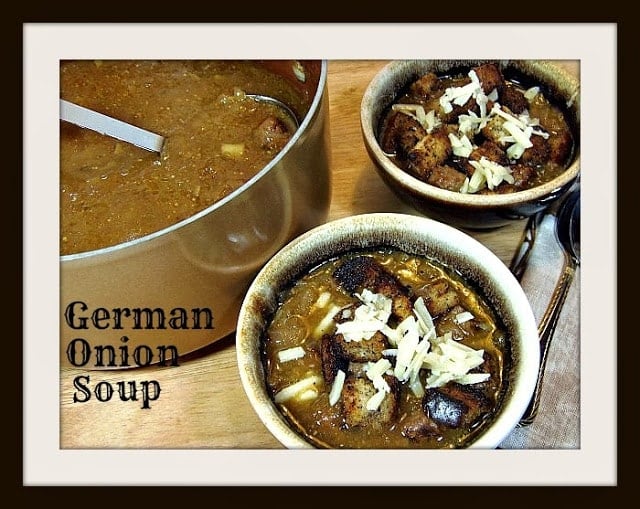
column 546, row 329
column 110, row 126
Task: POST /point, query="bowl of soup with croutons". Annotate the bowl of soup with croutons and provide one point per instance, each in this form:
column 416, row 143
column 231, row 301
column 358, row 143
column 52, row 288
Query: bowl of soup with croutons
column 475, row 143
column 387, row 331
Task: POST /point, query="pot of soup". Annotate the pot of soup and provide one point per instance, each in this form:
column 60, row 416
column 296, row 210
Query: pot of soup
column 158, row 249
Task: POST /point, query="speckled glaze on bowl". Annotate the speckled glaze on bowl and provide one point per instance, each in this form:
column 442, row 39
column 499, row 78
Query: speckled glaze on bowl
column 467, row 210
column 413, row 234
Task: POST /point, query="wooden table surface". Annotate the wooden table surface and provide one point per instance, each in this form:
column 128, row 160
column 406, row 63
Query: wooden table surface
column 202, row 403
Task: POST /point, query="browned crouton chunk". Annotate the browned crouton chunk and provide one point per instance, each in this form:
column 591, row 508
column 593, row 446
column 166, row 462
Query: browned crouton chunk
column 426, row 86
column 355, row 394
column 490, row 77
column 448, row 323
column 418, row 426
column 439, row 297
column 455, row 405
column 560, row 147
column 494, row 130
column 446, row 177
column 431, row 151
column 523, row 176
column 538, row 153
column 401, row 133
column 364, row 350
column 489, row 150
column 331, row 359
column 358, row 369
column 513, row 99
column 360, row 272
column 452, row 116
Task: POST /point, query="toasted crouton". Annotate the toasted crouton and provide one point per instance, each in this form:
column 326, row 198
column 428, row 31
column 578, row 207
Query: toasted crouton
column 361, row 351
column 446, row 177
column 355, row 394
column 491, row 151
column 426, row 86
column 401, row 132
column 494, row 130
column 538, row 153
column 448, row 323
column 454, row 405
column 358, row 273
column 490, row 77
column 560, row 147
column 513, row 99
column 431, row 151
column 439, row 297
column 331, row 359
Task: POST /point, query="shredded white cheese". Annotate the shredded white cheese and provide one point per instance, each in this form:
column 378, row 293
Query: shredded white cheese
column 336, row 387
column 297, row 388
column 462, row 146
column 451, row 361
column 463, row 317
column 291, row 354
column 519, row 130
column 460, row 95
column 429, row 121
column 531, row 93
column 327, row 321
column 370, row 317
column 374, row 402
column 377, row 369
column 487, row 174
column 323, row 300
column 416, row 346
column 471, row 124
column 308, row 394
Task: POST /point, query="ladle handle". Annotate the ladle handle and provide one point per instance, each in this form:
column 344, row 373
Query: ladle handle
column 546, row 329
column 103, row 124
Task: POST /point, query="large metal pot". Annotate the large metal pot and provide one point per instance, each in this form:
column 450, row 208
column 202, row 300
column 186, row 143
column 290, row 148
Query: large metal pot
column 204, row 263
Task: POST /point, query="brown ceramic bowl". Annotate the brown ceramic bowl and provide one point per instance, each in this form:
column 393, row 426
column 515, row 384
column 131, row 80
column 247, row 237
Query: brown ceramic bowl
column 468, row 210
column 412, row 234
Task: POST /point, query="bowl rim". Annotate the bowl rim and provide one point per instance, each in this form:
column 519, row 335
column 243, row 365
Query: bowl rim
column 305, row 252
column 375, row 91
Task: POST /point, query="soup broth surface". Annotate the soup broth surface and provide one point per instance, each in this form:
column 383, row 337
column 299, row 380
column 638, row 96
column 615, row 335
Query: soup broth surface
column 216, row 140
column 301, row 368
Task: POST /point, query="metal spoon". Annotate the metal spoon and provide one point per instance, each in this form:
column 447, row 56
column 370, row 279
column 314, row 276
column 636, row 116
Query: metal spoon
column 293, row 118
column 104, row 124
column 568, row 233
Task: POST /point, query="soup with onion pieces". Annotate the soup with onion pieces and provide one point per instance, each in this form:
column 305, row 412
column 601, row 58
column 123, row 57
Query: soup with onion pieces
column 385, row 349
column 216, row 140
column 478, row 131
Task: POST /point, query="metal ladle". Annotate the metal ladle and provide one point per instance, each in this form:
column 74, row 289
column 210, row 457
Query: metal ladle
column 104, row 124
column 568, row 233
